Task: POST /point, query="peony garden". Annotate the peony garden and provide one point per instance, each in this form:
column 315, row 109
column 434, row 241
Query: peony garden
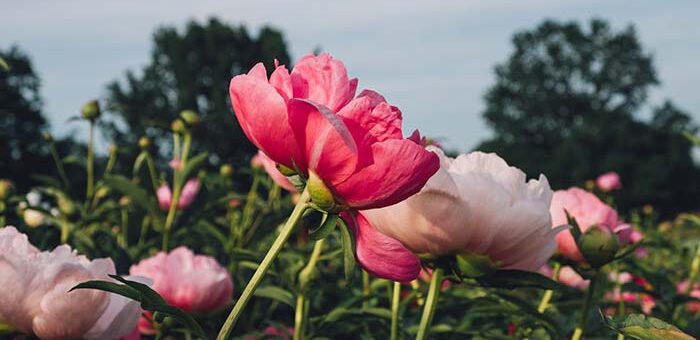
column 338, row 222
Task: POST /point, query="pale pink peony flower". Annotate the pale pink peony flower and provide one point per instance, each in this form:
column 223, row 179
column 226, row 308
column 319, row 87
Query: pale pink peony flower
column 608, row 181
column 588, row 210
column 187, row 196
column 567, row 276
column 35, row 297
column 475, row 204
column 645, row 301
column 193, row 283
column 260, row 159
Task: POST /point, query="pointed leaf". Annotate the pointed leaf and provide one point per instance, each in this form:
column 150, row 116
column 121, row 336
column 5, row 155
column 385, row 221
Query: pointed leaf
column 511, row 279
column 276, row 293
column 136, row 193
column 326, row 228
column 348, row 250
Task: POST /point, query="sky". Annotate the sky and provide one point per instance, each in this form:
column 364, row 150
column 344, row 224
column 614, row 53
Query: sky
column 432, row 59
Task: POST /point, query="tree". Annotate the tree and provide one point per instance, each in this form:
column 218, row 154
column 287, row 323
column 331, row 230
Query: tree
column 21, row 121
column 191, row 71
column 566, row 102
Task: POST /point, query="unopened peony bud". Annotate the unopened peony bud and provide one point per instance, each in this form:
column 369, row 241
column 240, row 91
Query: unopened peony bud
column 32, row 218
column 102, row 192
column 65, row 205
column 5, row 187
column 47, row 136
column 112, row 149
column 608, row 182
column 144, row 143
column 125, row 201
column 190, row 117
column 599, row 246
column 178, row 126
column 91, row 110
column 226, row 170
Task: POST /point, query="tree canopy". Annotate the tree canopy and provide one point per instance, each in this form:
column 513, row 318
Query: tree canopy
column 567, row 103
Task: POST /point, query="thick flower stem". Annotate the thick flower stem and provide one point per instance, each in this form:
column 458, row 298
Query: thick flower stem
column 275, row 249
column 306, row 275
column 544, row 303
column 430, row 304
column 395, row 300
column 581, row 327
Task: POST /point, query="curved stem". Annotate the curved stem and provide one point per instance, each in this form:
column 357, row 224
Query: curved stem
column 366, row 290
column 178, row 182
column 152, row 171
column 275, row 249
column 59, row 164
column 544, row 303
column 306, row 275
column 430, row 305
column 395, row 300
column 581, row 327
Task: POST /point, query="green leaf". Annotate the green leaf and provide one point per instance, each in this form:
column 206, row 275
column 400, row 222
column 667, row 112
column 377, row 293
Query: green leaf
column 276, row 293
column 642, row 327
column 511, row 279
column 575, row 228
column 348, row 250
column 326, row 228
column 4, row 66
column 111, row 287
column 136, row 193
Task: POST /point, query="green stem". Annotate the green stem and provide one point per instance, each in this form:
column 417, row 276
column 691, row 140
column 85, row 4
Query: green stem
column 59, row 164
column 306, row 275
column 178, row 182
column 395, row 300
column 544, row 303
column 365, row 289
column 90, row 163
column 581, row 327
column 152, row 171
column 65, row 231
column 430, row 304
column 249, row 207
column 275, row 249
column 124, row 232
column 111, row 161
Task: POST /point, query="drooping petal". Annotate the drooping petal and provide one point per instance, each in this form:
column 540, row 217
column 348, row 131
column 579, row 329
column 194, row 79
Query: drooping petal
column 400, row 169
column 262, row 114
column 381, row 255
column 375, row 115
column 273, row 172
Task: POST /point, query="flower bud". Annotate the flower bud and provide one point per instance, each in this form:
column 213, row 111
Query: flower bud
column 5, row 187
column 320, row 195
column 144, row 143
column 125, row 201
column 65, row 205
column 47, row 136
column 599, row 246
column 178, row 126
column 102, row 192
column 226, row 170
column 91, row 110
column 32, row 218
column 190, row 117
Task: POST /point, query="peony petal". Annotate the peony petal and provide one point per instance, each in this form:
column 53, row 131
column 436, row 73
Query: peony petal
column 400, row 169
column 262, row 114
column 375, row 115
column 381, row 255
column 323, row 80
column 329, row 144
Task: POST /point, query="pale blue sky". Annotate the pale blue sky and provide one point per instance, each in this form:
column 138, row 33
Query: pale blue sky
column 433, row 59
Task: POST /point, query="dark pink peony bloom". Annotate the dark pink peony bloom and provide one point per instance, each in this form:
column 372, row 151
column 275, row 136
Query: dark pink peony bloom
column 311, row 121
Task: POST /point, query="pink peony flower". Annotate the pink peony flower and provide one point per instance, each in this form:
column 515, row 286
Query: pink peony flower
column 193, row 283
column 308, row 120
column 571, row 278
column 608, row 181
column 35, row 297
column 380, row 255
column 588, row 211
column 187, row 196
column 260, row 159
column 645, row 301
column 272, row 332
column 477, row 205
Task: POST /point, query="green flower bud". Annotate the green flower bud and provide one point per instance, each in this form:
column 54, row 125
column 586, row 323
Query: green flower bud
column 190, row 117
column 102, row 192
column 599, row 245
column 5, row 187
column 124, row 201
column 112, row 149
column 47, row 136
column 320, row 195
column 474, row 265
column 91, row 110
column 226, row 170
column 65, row 205
column 144, row 143
column 178, row 126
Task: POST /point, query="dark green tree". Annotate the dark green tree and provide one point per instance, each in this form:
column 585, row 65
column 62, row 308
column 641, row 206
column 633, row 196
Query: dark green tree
column 22, row 150
column 191, row 70
column 566, row 104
